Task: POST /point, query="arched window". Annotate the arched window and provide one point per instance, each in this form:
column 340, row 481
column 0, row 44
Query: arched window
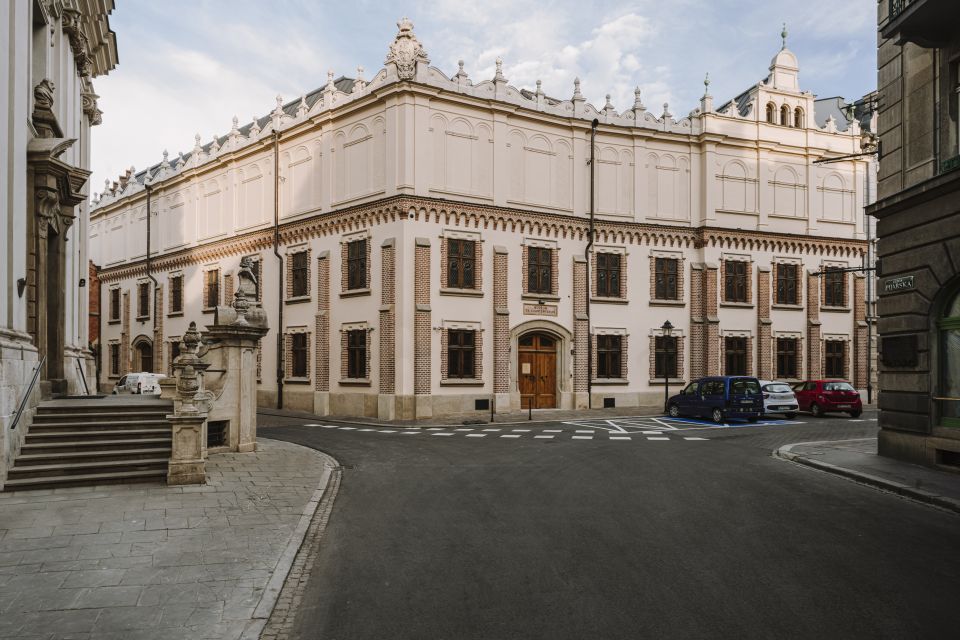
column 949, row 329
column 143, row 355
column 771, row 113
column 785, row 115
column 798, row 118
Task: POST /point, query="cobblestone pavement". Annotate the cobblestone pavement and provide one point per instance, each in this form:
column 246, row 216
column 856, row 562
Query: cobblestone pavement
column 151, row 561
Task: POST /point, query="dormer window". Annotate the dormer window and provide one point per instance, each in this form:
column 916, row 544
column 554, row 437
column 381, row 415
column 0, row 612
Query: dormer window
column 785, row 115
column 771, row 113
column 798, row 118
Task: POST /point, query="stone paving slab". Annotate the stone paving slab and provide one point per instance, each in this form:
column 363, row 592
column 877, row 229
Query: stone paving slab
column 150, row 561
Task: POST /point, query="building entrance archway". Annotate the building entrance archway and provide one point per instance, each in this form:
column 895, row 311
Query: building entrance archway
column 144, row 356
column 537, row 370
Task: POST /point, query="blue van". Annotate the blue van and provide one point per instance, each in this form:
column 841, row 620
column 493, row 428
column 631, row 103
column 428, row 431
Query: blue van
column 719, row 398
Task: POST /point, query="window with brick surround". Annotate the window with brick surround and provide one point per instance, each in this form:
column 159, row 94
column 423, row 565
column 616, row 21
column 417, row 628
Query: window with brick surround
column 357, row 264
column 114, row 359
column 300, row 274
column 735, row 353
column 787, row 349
column 834, row 358
column 143, row 299
column 461, row 263
column 539, row 270
column 461, row 353
column 357, row 353
column 299, row 343
column 174, row 352
column 211, row 288
column 665, row 357
column 788, row 279
column 608, row 275
column 665, row 278
column 735, row 281
column 115, row 304
column 176, row 294
column 834, row 288
column 609, row 354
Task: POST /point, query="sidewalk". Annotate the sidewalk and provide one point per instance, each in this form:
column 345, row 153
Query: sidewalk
column 152, row 561
column 858, row 461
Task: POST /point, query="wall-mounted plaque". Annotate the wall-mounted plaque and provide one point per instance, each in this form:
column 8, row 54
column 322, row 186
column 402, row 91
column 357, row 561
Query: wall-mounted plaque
column 539, row 310
column 525, row 368
column 903, row 283
column 899, row 351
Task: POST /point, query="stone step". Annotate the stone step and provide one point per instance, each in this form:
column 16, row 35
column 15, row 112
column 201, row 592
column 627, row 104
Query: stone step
column 85, row 444
column 95, row 455
column 44, row 418
column 87, row 468
column 94, row 407
column 103, row 426
column 114, row 477
column 97, row 434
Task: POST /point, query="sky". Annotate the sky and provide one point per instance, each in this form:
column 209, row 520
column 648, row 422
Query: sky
column 188, row 66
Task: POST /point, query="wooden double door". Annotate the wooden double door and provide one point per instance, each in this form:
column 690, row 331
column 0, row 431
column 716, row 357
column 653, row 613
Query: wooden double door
column 537, row 370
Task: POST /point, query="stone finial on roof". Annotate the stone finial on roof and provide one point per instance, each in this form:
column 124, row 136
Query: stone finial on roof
column 197, row 148
column 166, row 159
column 666, row 111
column 576, row 89
column 608, row 106
column 637, row 102
column 461, row 74
column 783, row 36
column 254, row 128
column 180, row 161
column 706, row 84
column 214, row 145
column 302, row 107
column 330, row 86
column 706, row 101
column 359, row 83
column 406, row 51
column 278, row 110
column 498, row 76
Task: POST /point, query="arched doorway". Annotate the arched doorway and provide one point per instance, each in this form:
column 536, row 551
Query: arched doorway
column 144, row 356
column 537, row 370
column 949, row 341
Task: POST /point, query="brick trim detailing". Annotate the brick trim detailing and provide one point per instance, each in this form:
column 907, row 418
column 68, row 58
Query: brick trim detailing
column 764, row 358
column 681, row 355
column 288, row 355
column 422, row 330
column 477, row 263
column 580, row 327
column 624, row 356
column 712, row 333
column 159, row 353
column 344, row 354
column 259, row 353
column 477, row 354
column 525, row 270
column 814, row 348
column 698, row 316
column 228, row 283
column 501, row 323
column 322, row 346
column 388, row 374
column 125, row 351
column 861, row 348
column 594, row 274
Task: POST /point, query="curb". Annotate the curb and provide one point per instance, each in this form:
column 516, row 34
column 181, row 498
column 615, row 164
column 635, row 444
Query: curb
column 279, row 576
column 920, row 495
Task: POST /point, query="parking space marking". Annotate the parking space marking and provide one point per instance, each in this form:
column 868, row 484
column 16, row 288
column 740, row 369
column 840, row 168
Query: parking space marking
column 656, row 438
column 545, row 437
column 444, row 433
column 510, row 435
column 476, row 435
column 582, row 437
column 620, row 438
column 691, row 438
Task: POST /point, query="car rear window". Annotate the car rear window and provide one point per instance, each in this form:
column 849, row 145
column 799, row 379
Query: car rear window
column 744, row 385
column 837, row 386
column 777, row 388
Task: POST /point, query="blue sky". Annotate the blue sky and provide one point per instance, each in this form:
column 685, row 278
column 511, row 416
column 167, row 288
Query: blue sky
column 189, row 66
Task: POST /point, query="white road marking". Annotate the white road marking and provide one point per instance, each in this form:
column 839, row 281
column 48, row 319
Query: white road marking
column 553, row 430
column 445, row 433
column 851, row 420
column 312, row 425
column 658, row 438
column 584, row 431
column 582, row 437
column 651, row 433
column 409, row 433
column 493, row 430
column 476, row 435
column 545, row 437
column 521, row 430
column 366, row 429
column 348, row 428
column 434, row 428
column 463, row 429
column 386, row 431
column 328, row 426
column 685, row 438
column 620, row 438
column 510, row 435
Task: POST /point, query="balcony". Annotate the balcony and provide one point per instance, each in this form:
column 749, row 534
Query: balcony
column 928, row 23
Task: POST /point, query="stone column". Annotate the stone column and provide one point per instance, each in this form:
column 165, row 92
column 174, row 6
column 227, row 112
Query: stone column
column 814, row 359
column 422, row 331
column 501, row 328
column 764, row 334
column 581, row 329
column 386, row 401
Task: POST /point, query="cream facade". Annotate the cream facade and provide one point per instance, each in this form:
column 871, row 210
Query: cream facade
column 432, row 243
column 53, row 50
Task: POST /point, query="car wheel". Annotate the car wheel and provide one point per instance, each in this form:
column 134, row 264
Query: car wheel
column 717, row 416
column 790, row 416
column 855, row 414
column 674, row 411
column 816, row 411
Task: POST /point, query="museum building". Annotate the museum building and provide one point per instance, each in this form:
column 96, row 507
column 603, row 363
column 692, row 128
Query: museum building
column 429, row 245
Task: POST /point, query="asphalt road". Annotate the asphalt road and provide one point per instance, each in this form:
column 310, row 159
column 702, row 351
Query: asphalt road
column 469, row 536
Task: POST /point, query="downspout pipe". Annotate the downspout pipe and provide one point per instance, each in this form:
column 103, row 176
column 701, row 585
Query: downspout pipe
column 276, row 252
column 156, row 285
column 586, row 255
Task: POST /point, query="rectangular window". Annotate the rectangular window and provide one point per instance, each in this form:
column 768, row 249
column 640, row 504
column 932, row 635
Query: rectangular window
column 461, row 353
column 357, row 264
column 608, row 275
column 834, row 293
column 461, row 260
column 143, row 299
column 835, row 357
column 114, row 359
column 609, row 352
column 787, row 358
column 115, row 304
column 176, row 294
column 211, row 289
column 298, row 355
column 735, row 281
column 787, row 278
column 357, row 354
column 174, row 352
column 665, row 278
column 299, row 267
column 539, row 270
column 665, row 357
column 735, row 350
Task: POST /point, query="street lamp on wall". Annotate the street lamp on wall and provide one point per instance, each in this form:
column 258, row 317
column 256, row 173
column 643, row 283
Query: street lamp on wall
column 667, row 330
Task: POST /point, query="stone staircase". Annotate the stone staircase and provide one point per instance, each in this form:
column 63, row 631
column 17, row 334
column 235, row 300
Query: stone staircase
column 117, row 439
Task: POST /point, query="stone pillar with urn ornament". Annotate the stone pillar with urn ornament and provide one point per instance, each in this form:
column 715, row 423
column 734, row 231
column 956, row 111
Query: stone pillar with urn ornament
column 188, row 451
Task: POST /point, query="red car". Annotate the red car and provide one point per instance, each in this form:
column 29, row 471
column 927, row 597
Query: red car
column 823, row 396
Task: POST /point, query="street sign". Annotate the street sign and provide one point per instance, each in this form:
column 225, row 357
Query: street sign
column 903, row 283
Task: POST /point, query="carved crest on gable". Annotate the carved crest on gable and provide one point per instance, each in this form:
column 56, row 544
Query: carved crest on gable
column 406, row 51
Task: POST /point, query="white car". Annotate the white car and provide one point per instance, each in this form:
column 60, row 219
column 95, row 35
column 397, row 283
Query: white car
column 142, row 383
column 778, row 397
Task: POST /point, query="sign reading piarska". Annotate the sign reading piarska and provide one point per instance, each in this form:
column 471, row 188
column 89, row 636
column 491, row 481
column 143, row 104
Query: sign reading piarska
column 539, row 310
column 903, row 283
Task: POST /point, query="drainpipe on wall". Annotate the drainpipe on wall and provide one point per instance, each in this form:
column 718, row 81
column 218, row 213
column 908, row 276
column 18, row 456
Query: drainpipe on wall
column 586, row 254
column 153, row 304
column 276, row 252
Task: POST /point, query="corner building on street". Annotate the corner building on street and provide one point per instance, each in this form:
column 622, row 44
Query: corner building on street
column 433, row 247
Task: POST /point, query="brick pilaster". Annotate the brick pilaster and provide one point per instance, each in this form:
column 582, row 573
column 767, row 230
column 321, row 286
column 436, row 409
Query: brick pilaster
column 698, row 318
column 861, row 349
column 322, row 344
column 387, row 378
column 580, row 325
column 228, row 283
column 501, row 321
column 814, row 343
column 712, row 337
column 159, row 353
column 764, row 357
column 422, row 330
column 125, row 352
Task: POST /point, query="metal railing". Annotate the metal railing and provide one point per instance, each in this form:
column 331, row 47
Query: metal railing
column 26, row 395
column 83, row 378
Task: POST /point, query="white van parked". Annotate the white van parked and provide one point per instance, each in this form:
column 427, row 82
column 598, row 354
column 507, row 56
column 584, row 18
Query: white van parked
column 142, row 383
